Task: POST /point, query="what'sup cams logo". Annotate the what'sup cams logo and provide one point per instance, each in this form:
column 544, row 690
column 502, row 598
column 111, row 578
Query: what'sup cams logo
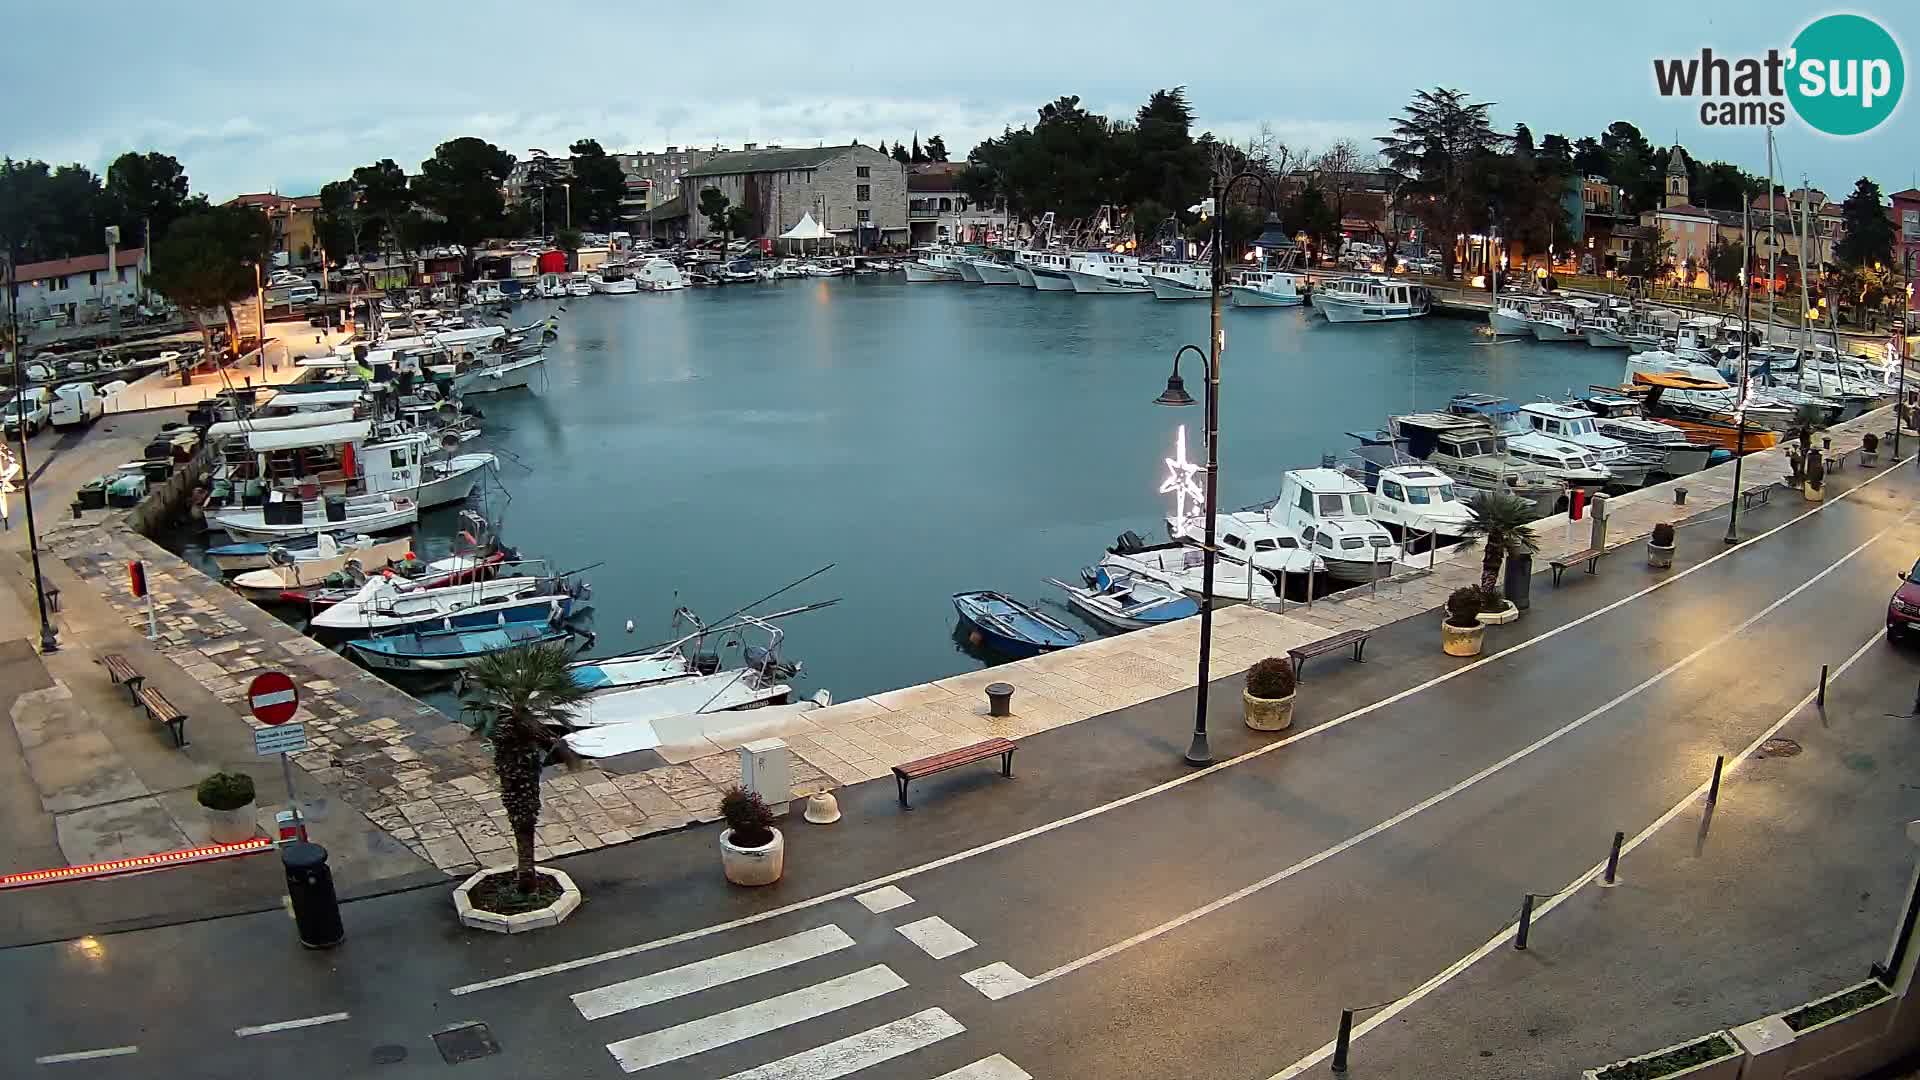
column 1843, row 76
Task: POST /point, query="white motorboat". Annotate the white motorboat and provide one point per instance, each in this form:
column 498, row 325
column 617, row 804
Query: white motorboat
column 1181, row 566
column 994, row 272
column 1266, row 288
column 579, row 284
column 1418, row 500
column 935, row 264
column 1606, row 332
column 1254, row 537
column 823, row 267
column 451, row 480
column 1105, row 273
column 1372, row 300
column 721, row 691
column 369, row 554
column 1622, row 418
column 285, row 518
column 1180, row 281
column 1559, row 320
column 1470, row 451
column 1330, row 512
column 1126, row 601
column 551, row 287
column 659, row 275
column 1568, row 462
column 1513, row 313
column 315, row 550
column 612, row 280
column 385, row 603
column 679, row 736
column 490, row 374
column 1045, row 269
column 1627, row 463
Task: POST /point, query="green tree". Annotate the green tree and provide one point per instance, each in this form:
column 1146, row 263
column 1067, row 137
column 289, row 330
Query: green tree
column 916, row 155
column 1650, row 259
column 148, row 193
column 384, row 198
column 207, row 261
column 1437, row 139
column 567, row 240
column 1866, row 231
column 598, row 186
column 1718, row 185
column 900, row 154
column 1163, row 163
column 1590, row 159
column 544, row 197
column 1499, row 521
column 341, row 220
column 739, row 221
column 53, row 213
column 515, row 700
column 937, row 149
column 1726, row 259
column 461, row 183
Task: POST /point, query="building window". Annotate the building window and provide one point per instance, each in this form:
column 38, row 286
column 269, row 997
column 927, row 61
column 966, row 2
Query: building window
column 120, row 274
column 863, row 170
column 946, row 204
column 60, row 283
column 866, row 216
column 93, row 278
column 863, row 193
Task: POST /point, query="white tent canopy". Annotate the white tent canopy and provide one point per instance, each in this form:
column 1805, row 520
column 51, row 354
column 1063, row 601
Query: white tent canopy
column 807, row 229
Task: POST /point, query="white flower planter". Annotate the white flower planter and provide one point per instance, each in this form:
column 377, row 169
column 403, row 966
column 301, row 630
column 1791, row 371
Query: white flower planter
column 1502, row 617
column 1829, row 1043
column 1660, row 558
column 1725, row 1067
column 756, row 865
column 1267, row 714
column 231, row 826
column 1461, row 640
column 552, row 915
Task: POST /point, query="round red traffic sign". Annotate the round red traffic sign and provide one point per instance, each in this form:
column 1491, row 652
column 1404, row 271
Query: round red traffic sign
column 273, row 698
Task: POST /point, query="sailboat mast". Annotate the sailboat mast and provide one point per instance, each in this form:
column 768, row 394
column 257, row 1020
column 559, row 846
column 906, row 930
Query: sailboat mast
column 1773, row 234
column 1805, row 329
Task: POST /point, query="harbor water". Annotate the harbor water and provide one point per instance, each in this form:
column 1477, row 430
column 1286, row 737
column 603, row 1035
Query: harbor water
column 709, row 446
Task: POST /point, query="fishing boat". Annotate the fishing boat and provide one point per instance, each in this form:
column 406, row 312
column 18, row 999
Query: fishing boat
column 1571, row 464
column 1027, row 260
column 689, row 655
column 1468, row 450
column 993, row 271
column 1010, row 627
column 317, row 594
column 1125, row 600
column 1371, row 299
column 488, row 376
column 1331, row 513
column 268, row 582
column 284, row 517
column 1560, row 320
column 450, row 648
column 1266, row 288
column 612, row 279
column 387, row 604
column 1513, row 313
column 1180, row 281
column 1629, row 464
column 1709, row 419
column 312, row 553
column 935, row 264
column 1105, row 273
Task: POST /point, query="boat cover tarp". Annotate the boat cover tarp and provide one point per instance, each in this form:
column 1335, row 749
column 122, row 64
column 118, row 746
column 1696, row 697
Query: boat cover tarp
column 330, row 435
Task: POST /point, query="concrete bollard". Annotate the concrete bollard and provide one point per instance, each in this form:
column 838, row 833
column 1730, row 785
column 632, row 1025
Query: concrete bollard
column 1599, row 511
column 999, row 699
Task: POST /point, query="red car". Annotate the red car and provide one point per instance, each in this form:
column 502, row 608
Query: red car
column 1903, row 609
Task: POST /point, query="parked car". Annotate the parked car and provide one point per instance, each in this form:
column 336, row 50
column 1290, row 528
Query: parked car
column 31, row 408
column 77, row 404
column 1903, row 608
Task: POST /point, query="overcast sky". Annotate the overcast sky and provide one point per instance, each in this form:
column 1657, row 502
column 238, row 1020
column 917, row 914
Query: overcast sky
column 257, row 96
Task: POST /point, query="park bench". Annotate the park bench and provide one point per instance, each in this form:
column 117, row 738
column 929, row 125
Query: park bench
column 1590, row 556
column 122, row 674
column 1761, row 495
column 162, row 711
column 1836, row 457
column 1355, row 638
column 953, row 759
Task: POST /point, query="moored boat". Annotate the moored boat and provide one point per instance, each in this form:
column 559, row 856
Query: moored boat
column 1125, row 601
column 1010, row 627
column 450, row 648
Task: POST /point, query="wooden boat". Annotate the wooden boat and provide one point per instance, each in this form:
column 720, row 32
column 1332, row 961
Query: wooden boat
column 291, row 518
column 321, row 593
column 314, row 556
column 1008, row 626
column 1126, row 601
column 450, row 648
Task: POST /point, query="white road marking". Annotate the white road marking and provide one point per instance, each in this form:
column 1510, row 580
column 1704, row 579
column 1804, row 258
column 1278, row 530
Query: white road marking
column 1437, row 798
column 289, row 1025
column 996, row 1067
column 86, row 1055
column 936, row 937
column 1540, row 910
column 714, row 971
column 1158, row 789
column 884, row 899
column 997, row 980
column 721, row 1029
column 856, row 1052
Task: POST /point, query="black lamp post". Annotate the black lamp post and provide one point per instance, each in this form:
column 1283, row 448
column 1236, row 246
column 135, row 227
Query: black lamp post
column 48, row 641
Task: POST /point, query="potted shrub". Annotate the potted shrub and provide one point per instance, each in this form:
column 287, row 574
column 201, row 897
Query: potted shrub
column 228, row 799
column 1462, row 633
column 1268, row 698
column 1869, row 450
column 515, row 700
column 1660, row 547
column 752, row 851
column 1814, row 487
column 1499, row 521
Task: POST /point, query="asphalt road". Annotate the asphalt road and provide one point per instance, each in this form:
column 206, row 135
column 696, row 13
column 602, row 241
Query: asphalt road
column 1106, row 914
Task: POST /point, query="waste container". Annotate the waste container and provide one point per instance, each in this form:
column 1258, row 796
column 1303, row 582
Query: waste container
column 316, row 911
column 336, row 508
column 1518, row 580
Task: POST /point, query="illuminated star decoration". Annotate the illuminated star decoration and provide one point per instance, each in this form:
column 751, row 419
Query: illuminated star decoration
column 1180, row 480
column 9, row 468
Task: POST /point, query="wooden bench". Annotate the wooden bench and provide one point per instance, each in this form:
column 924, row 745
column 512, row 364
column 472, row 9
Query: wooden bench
column 953, row 759
column 1356, row 638
column 1760, row 495
column 1836, row 458
column 122, row 674
column 162, row 712
column 1591, row 556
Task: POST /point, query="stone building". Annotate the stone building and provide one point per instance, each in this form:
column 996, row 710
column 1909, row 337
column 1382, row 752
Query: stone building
column 857, row 193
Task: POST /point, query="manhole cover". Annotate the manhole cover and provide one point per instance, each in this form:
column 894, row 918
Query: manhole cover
column 1779, row 748
column 465, row 1042
column 389, row 1054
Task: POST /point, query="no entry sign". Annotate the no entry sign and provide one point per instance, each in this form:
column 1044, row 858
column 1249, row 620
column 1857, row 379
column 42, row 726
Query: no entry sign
column 273, row 698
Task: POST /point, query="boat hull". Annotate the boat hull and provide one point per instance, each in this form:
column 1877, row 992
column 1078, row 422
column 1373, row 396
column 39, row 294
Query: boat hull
column 1503, row 323
column 969, row 272
column 1247, row 296
column 1022, row 276
column 1047, row 280
column 463, row 476
column 1605, row 339
column 391, row 653
column 1341, row 311
column 1165, row 288
column 253, row 526
column 271, row 581
column 623, row 287
column 1010, row 628
column 1546, row 331
column 1100, row 285
column 509, row 376
column 996, row 274
column 922, row 273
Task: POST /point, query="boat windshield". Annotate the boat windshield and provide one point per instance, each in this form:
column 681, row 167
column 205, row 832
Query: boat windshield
column 1357, row 504
column 1423, row 496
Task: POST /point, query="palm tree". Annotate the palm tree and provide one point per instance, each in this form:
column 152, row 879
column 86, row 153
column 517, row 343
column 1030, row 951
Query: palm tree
column 1501, row 520
column 514, row 700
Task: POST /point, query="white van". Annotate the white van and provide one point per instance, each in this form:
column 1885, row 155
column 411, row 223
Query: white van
column 303, row 293
column 76, row 404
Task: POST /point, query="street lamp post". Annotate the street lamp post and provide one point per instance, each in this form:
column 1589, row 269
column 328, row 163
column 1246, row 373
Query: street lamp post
column 1746, row 336
column 48, row 641
column 569, row 186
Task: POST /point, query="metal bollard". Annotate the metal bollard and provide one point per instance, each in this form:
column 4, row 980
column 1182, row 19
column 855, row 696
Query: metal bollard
column 1713, row 791
column 1526, row 922
column 1613, row 861
column 1679, row 496
column 999, row 699
column 316, row 910
column 1341, row 1041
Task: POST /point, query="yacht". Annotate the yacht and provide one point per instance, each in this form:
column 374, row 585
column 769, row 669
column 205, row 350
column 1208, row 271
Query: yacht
column 612, row 278
column 1266, row 288
column 1705, row 408
column 1618, row 416
column 1568, row 462
column 1253, row 538
column 1331, row 512
column 1104, row 273
column 1180, row 281
column 579, row 284
column 1629, row 464
column 660, row 275
column 1471, row 452
column 1373, row 300
column 1559, row 320
column 1513, row 313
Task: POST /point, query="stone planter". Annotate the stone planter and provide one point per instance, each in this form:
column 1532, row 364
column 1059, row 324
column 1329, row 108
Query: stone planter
column 1505, row 615
column 1725, row 1066
column 1268, row 714
column 552, row 915
column 753, row 865
column 1660, row 558
column 1869, row 459
column 1462, row 640
column 1811, row 493
column 231, row 826
column 1844, row 1044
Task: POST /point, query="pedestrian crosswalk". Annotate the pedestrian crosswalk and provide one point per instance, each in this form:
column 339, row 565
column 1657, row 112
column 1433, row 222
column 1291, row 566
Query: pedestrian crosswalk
column 834, row 1054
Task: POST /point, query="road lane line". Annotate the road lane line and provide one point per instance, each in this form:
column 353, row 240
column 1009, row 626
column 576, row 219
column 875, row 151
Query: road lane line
column 936, row 937
column 855, row 1052
column 1437, row 798
column 1128, row 800
column 86, row 1055
column 1692, row 798
column 759, row 1017
column 714, row 971
column 996, row 1067
column 289, row 1025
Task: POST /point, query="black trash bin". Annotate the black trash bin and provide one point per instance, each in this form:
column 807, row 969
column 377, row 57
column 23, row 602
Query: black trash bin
column 316, row 911
column 1519, row 579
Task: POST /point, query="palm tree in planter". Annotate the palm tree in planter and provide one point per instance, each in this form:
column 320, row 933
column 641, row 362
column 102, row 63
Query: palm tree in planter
column 1499, row 521
column 514, row 700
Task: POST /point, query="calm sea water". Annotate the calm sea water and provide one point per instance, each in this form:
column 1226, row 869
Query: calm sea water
column 713, row 445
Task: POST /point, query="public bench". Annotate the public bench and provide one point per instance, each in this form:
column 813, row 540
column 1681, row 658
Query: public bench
column 1590, row 556
column 953, row 759
column 122, row 674
column 1357, row 639
column 162, row 711
column 1760, row 495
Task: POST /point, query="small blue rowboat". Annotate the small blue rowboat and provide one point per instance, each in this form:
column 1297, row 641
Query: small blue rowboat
column 450, row 649
column 1008, row 626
